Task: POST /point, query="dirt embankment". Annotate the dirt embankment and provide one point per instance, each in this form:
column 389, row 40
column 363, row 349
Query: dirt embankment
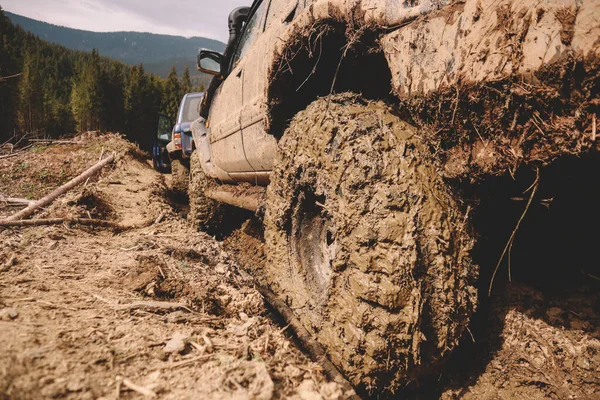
column 86, row 312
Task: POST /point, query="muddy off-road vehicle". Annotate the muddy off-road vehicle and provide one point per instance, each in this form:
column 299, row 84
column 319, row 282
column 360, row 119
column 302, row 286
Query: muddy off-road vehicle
column 179, row 144
column 372, row 125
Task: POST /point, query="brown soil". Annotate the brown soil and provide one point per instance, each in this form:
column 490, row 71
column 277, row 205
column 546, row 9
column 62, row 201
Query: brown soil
column 71, row 325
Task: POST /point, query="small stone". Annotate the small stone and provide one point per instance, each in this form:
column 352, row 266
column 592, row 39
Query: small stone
column 331, row 391
column 583, row 363
column 75, row 385
column 293, row 371
column 221, row 268
column 308, row 391
column 554, row 315
column 554, row 312
column 8, row 314
column 578, row 324
column 176, row 344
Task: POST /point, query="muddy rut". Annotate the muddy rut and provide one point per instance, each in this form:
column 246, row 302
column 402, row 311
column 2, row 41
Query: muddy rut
column 161, row 310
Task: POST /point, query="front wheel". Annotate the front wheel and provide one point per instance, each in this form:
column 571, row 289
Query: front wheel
column 366, row 243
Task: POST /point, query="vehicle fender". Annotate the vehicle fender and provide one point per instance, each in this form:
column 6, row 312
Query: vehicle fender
column 187, row 144
column 202, row 141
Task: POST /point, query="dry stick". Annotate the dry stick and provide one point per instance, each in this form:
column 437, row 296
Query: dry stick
column 514, row 232
column 136, row 388
column 187, row 362
column 99, row 159
column 9, row 263
column 53, row 141
column 160, row 218
column 4, row 78
column 58, row 221
column 310, row 345
column 59, row 191
column 15, row 200
column 16, row 153
column 159, row 305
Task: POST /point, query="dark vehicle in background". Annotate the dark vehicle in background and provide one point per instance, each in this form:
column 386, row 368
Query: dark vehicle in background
column 160, row 156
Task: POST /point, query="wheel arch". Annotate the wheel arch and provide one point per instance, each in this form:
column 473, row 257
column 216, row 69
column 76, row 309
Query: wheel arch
column 324, row 57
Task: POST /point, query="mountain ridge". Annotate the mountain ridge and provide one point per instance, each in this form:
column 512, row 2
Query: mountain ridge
column 158, row 52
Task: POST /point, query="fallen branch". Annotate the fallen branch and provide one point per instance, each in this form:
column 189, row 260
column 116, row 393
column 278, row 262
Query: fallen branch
column 156, row 305
column 59, row 221
column 314, row 349
column 16, row 153
column 5, row 78
column 59, row 191
column 53, row 141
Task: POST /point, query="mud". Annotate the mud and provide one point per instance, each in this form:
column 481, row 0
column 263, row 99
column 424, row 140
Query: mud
column 486, row 130
column 383, row 258
column 71, row 322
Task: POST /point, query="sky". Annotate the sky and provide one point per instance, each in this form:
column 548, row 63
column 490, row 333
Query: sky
column 207, row 18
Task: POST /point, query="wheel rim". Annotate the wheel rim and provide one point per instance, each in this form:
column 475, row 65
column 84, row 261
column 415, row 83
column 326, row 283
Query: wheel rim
column 313, row 242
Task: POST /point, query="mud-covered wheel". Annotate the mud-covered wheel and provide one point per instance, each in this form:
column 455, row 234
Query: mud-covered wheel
column 366, row 243
column 204, row 213
column 180, row 176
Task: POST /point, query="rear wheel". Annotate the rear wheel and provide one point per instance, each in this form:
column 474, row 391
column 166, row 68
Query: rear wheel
column 366, row 243
column 180, row 176
column 204, row 213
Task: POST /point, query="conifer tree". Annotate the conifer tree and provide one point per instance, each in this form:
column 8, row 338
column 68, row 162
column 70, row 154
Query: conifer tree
column 186, row 82
column 86, row 97
column 59, row 90
column 29, row 113
column 172, row 94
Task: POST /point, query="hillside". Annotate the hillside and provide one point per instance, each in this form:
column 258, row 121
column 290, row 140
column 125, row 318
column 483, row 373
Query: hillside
column 157, row 52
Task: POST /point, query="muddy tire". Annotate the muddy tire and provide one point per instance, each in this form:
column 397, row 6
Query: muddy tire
column 180, row 175
column 366, row 243
column 204, row 213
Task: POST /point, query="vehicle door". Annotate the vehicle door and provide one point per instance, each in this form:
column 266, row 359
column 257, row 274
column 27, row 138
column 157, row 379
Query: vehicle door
column 259, row 146
column 225, row 120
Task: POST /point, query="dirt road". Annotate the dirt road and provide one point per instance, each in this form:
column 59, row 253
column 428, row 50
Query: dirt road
column 87, row 311
column 160, row 310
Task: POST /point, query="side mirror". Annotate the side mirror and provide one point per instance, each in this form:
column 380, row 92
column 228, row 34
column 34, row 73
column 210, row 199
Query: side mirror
column 209, row 62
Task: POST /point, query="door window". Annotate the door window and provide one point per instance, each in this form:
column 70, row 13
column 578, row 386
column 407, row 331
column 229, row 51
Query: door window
column 251, row 31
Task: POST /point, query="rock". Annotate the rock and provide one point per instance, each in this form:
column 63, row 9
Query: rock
column 554, row 314
column 262, row 387
column 331, row 391
column 308, row 391
column 8, row 314
column 176, row 344
column 75, row 385
column 221, row 268
column 576, row 323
